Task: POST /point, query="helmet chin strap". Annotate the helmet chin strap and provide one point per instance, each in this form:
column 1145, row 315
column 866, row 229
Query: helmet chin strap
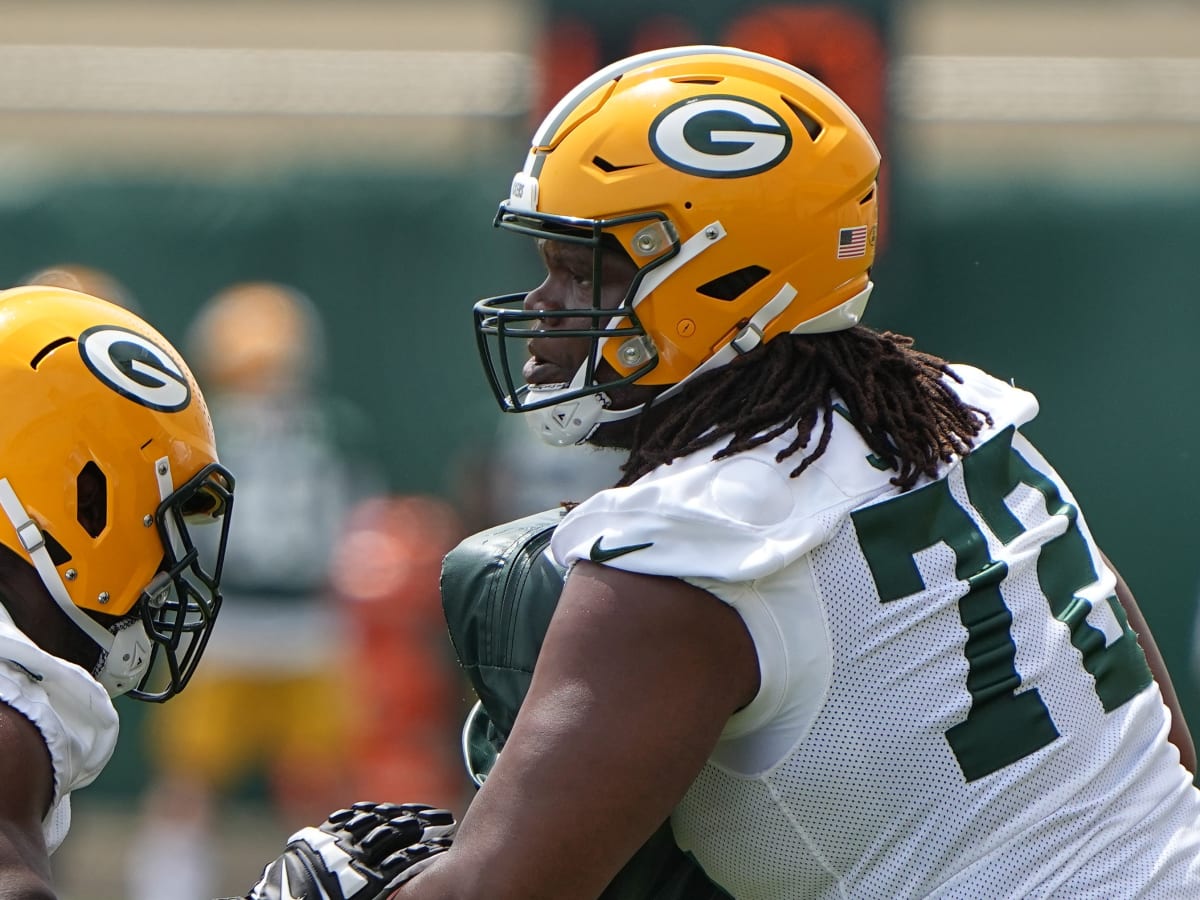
column 574, row 421
column 845, row 315
column 125, row 653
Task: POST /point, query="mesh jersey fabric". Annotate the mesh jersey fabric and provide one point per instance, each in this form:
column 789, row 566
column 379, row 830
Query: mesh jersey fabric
column 72, row 711
column 951, row 702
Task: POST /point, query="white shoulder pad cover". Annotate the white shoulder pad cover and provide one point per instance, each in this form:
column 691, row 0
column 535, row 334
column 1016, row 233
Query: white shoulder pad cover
column 73, row 712
column 733, row 519
column 744, row 517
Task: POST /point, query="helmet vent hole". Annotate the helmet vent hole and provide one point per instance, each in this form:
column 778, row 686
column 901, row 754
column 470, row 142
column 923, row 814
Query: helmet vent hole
column 698, row 79
column 47, row 350
column 867, row 198
column 92, row 499
column 605, row 166
column 58, row 553
column 807, row 119
column 732, row 285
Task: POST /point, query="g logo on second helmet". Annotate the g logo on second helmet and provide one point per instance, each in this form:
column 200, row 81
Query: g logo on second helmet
column 135, row 367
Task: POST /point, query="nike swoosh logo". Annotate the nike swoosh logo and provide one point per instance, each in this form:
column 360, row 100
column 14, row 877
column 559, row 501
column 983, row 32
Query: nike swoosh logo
column 285, row 889
column 600, row 555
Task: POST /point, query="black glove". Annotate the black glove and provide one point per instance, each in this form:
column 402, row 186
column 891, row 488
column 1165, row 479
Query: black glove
column 361, row 853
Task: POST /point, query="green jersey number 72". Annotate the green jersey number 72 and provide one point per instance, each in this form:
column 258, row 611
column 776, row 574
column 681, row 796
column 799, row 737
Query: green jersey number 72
column 1005, row 723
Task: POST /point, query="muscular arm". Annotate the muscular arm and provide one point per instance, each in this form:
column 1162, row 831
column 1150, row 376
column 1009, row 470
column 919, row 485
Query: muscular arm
column 635, row 681
column 1179, row 735
column 26, row 784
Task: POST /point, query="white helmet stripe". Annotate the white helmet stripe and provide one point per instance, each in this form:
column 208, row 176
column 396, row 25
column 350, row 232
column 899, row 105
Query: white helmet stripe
column 563, row 109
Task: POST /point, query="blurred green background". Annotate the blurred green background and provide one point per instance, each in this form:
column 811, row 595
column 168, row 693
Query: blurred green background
column 1050, row 244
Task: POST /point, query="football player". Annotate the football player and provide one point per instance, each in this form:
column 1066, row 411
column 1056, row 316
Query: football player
column 839, row 623
column 86, row 280
column 107, row 468
column 304, row 457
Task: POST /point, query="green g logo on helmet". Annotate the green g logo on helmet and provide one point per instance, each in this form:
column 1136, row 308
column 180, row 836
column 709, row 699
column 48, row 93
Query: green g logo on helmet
column 720, row 136
column 135, row 367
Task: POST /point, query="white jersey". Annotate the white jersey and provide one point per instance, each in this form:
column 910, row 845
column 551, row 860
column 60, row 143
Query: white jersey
column 952, row 703
column 71, row 709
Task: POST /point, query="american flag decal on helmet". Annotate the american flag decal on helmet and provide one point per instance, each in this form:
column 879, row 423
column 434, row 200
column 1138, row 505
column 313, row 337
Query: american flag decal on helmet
column 852, row 242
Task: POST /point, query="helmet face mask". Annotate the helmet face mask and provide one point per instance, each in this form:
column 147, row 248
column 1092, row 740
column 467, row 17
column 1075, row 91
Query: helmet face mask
column 107, row 462
column 180, row 604
column 501, row 321
column 742, row 188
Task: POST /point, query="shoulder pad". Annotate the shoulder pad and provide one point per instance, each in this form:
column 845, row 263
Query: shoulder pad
column 486, row 579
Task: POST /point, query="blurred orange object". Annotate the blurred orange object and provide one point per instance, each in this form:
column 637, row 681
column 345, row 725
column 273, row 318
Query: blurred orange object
column 408, row 695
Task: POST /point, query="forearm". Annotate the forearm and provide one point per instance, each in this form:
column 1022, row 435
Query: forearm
column 26, row 788
column 24, row 867
column 624, row 709
column 1179, row 735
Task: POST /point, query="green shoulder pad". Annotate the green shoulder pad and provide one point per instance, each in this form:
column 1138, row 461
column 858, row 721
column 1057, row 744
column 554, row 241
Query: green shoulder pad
column 499, row 589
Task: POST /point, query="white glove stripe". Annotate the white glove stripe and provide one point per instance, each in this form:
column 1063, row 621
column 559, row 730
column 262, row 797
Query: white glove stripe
column 285, row 887
column 334, row 864
column 336, row 861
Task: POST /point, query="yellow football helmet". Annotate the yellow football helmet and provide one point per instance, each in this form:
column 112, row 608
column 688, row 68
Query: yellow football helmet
column 257, row 336
column 745, row 192
column 107, row 459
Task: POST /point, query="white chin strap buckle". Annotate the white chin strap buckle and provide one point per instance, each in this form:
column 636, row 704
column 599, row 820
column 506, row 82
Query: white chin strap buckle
column 567, row 423
column 126, row 660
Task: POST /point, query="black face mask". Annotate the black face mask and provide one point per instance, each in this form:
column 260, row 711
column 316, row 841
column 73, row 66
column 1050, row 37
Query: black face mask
column 179, row 607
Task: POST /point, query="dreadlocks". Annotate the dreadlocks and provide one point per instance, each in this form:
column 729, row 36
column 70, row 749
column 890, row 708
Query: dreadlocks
column 896, row 397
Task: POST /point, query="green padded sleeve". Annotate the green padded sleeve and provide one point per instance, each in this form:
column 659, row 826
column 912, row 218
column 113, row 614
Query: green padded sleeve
column 499, row 589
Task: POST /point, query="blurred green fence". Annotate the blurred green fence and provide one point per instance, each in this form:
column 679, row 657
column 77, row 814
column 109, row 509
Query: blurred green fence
column 1085, row 296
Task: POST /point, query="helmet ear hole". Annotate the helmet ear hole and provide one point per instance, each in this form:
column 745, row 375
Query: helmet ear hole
column 92, row 499
column 58, row 553
column 807, row 119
